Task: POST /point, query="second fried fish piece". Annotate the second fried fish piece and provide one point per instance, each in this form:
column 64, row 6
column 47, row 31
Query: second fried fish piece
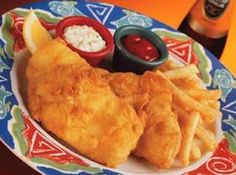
column 152, row 98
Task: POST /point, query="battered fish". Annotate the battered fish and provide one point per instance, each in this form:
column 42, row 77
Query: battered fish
column 72, row 101
column 151, row 96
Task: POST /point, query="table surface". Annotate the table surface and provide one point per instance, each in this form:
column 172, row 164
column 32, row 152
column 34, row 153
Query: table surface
column 7, row 158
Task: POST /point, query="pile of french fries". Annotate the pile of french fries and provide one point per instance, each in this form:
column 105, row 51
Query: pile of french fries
column 196, row 107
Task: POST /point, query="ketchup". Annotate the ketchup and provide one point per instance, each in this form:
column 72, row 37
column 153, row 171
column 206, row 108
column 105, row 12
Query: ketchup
column 140, row 47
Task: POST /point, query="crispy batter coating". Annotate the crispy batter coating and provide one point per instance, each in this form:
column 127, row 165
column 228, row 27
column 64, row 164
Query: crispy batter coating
column 72, row 101
column 152, row 98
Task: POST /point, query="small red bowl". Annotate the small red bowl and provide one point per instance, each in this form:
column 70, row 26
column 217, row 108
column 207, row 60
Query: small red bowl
column 93, row 58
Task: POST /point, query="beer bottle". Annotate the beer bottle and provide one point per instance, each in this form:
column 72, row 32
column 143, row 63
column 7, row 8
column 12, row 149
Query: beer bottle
column 208, row 22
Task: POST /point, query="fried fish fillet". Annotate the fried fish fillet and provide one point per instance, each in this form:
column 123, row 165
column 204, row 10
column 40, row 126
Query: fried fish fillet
column 151, row 96
column 128, row 87
column 72, row 101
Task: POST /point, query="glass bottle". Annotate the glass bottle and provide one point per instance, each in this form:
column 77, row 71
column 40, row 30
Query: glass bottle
column 208, row 22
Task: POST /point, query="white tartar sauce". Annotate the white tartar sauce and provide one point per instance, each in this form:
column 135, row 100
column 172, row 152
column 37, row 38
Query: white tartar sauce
column 84, row 38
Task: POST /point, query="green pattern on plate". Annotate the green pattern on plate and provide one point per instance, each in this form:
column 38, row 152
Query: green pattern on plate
column 48, row 17
column 204, row 64
column 7, row 22
column 18, row 127
column 231, row 138
column 175, row 35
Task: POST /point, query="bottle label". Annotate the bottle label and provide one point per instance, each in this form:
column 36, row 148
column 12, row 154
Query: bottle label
column 215, row 8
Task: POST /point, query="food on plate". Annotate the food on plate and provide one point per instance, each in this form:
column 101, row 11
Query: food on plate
column 208, row 113
column 127, row 86
column 176, row 123
column 161, row 139
column 160, row 115
column 206, row 136
column 195, row 152
column 88, row 37
column 182, row 72
column 188, row 125
column 152, row 99
column 84, row 38
column 35, row 35
column 191, row 99
column 140, row 47
column 73, row 102
column 137, row 49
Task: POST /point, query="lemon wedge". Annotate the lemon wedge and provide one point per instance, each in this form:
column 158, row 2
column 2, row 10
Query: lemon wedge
column 35, row 35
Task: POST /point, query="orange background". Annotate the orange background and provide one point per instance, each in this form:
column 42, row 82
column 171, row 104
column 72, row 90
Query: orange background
column 229, row 55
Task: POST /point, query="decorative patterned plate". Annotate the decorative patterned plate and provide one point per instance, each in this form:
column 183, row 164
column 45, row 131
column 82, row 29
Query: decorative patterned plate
column 25, row 138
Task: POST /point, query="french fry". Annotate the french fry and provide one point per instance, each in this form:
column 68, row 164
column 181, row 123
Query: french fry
column 188, row 127
column 180, row 111
column 208, row 114
column 191, row 82
column 168, row 65
column 196, row 107
column 195, row 152
column 206, row 136
column 200, row 94
column 212, row 104
column 182, row 72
